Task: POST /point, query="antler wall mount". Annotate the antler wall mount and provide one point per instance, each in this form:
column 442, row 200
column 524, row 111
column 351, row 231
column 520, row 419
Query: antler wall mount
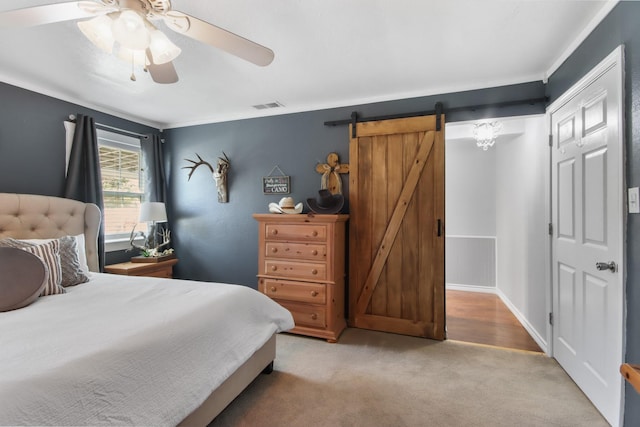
column 219, row 174
column 128, row 26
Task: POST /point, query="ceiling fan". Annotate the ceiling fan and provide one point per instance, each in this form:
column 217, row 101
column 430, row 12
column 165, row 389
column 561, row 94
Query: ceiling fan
column 126, row 28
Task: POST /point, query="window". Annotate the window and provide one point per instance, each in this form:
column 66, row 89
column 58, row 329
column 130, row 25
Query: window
column 122, row 184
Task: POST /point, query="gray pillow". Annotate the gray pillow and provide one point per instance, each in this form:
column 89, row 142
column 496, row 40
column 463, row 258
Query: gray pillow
column 23, row 276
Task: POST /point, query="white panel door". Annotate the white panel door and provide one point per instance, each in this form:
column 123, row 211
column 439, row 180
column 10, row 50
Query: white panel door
column 587, row 213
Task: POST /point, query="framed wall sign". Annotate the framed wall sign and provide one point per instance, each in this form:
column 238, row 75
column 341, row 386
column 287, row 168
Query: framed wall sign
column 276, row 184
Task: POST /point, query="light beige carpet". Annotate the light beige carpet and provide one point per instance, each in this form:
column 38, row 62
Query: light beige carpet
column 378, row 379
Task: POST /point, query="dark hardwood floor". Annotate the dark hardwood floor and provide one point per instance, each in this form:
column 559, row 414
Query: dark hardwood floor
column 484, row 319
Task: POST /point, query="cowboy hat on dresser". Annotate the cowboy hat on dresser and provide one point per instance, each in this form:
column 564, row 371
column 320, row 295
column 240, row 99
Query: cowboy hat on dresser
column 326, row 203
column 285, row 205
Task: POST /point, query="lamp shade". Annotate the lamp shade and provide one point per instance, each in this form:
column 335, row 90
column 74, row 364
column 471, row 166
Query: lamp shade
column 98, row 30
column 153, row 212
column 129, row 30
column 162, row 49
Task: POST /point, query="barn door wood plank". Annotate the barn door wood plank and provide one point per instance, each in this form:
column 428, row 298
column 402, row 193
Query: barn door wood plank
column 379, row 217
column 418, row 328
column 395, row 222
column 411, row 279
column 394, row 269
column 396, row 126
column 438, row 260
column 354, row 210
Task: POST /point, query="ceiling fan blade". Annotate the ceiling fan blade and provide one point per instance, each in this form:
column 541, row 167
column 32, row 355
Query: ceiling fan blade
column 161, row 73
column 217, row 37
column 50, row 13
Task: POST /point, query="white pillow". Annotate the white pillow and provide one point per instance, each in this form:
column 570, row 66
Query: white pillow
column 82, row 254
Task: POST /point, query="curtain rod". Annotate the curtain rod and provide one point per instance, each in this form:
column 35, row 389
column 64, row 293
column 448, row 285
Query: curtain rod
column 72, row 118
column 445, row 111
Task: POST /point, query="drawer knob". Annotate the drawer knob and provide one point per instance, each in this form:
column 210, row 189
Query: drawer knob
column 314, row 293
column 314, row 252
column 274, row 232
column 314, row 271
column 314, row 316
column 273, row 289
column 274, row 267
column 315, row 233
column 274, row 250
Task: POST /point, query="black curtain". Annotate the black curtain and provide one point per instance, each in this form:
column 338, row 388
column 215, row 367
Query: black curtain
column 155, row 188
column 84, row 181
column 153, row 168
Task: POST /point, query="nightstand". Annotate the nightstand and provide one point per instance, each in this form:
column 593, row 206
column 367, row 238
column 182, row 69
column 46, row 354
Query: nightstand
column 151, row 269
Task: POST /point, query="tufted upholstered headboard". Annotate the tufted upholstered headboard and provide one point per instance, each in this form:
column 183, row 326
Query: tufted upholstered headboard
column 28, row 216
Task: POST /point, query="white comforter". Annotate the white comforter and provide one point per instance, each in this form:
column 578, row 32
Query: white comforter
column 122, row 350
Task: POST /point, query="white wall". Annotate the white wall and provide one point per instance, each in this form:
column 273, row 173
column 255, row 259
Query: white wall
column 470, row 188
column 470, row 221
column 470, row 200
column 521, row 228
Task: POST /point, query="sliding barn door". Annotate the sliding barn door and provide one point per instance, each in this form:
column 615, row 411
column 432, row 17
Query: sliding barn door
column 396, row 241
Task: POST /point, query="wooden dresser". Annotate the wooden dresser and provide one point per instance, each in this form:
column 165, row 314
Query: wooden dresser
column 301, row 261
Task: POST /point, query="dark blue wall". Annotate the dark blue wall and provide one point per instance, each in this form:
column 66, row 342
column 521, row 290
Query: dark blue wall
column 219, row 242
column 620, row 27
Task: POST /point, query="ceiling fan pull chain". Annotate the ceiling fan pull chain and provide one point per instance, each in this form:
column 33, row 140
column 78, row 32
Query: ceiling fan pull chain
column 133, row 74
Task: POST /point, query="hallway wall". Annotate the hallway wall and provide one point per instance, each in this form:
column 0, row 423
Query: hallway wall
column 522, row 165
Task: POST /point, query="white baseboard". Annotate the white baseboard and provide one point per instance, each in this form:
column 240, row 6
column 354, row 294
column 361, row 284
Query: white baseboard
column 470, row 288
column 542, row 343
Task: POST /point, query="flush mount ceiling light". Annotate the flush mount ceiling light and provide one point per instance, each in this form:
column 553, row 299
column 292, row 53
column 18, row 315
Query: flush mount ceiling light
column 125, row 28
column 486, row 133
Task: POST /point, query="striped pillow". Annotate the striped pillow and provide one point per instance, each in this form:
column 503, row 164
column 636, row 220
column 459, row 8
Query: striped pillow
column 49, row 253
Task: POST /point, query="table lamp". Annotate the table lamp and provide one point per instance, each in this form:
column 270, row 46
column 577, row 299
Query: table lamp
column 152, row 213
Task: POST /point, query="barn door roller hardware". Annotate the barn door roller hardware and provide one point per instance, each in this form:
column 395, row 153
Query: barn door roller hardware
column 354, row 121
column 438, row 117
column 439, row 110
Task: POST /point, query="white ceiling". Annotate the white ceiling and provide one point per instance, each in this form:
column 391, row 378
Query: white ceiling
column 328, row 53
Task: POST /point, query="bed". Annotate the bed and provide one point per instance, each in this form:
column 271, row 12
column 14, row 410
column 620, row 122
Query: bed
column 125, row 350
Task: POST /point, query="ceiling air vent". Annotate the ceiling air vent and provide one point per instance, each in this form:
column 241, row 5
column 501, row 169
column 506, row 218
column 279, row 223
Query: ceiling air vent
column 275, row 104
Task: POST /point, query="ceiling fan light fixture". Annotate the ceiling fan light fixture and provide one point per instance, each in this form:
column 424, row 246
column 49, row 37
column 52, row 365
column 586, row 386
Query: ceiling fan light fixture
column 129, row 30
column 124, row 28
column 132, row 56
column 162, row 49
column 98, row 31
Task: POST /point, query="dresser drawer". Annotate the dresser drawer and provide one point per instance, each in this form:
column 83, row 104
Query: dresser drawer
column 296, row 250
column 295, row 270
column 306, row 232
column 306, row 315
column 314, row 293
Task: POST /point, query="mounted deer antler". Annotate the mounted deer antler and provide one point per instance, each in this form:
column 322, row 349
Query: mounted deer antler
column 219, row 174
column 151, row 251
column 196, row 164
column 132, row 237
column 166, row 239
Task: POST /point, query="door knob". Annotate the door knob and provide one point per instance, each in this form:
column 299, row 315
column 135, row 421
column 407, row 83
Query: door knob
column 607, row 266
